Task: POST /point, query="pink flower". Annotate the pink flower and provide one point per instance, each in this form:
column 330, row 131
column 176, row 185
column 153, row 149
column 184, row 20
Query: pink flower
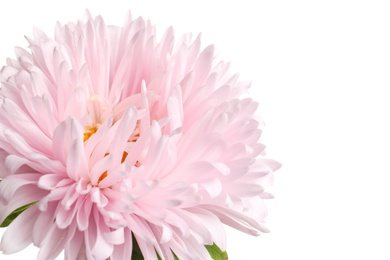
column 117, row 135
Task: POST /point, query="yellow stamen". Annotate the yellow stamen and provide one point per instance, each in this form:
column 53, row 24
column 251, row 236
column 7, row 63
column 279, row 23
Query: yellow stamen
column 104, row 175
column 124, row 156
column 89, row 131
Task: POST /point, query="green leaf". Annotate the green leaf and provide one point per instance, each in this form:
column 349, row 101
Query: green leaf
column 11, row 217
column 137, row 256
column 216, row 253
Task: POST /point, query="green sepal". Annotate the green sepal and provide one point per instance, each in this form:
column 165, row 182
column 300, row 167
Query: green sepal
column 11, row 217
column 216, row 253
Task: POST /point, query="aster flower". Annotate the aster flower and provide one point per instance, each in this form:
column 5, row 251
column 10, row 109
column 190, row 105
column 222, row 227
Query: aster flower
column 112, row 142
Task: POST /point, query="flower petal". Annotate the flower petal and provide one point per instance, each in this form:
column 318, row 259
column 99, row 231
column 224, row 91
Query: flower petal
column 13, row 239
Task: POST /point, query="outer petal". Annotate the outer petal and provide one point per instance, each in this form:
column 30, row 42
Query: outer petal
column 19, row 234
column 54, row 242
column 124, row 251
column 75, row 248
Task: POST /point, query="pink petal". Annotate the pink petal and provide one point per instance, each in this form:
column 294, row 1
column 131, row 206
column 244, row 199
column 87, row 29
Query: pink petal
column 54, row 242
column 41, row 226
column 13, row 239
column 125, row 250
column 10, row 185
column 75, row 247
column 83, row 214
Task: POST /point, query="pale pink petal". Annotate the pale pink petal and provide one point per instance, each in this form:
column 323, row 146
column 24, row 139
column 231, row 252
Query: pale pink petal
column 49, row 181
column 41, row 226
column 76, row 161
column 14, row 182
column 75, row 247
column 83, row 213
column 54, row 242
column 14, row 240
column 123, row 251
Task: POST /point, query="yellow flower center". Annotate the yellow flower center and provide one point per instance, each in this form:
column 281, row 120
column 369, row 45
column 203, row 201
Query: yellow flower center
column 89, row 131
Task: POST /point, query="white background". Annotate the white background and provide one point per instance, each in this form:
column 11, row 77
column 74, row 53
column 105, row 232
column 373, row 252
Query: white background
column 320, row 70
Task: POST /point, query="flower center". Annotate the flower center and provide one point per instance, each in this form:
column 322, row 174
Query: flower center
column 98, row 109
column 89, row 131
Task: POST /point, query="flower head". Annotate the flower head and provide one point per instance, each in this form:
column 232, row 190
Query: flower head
column 116, row 137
